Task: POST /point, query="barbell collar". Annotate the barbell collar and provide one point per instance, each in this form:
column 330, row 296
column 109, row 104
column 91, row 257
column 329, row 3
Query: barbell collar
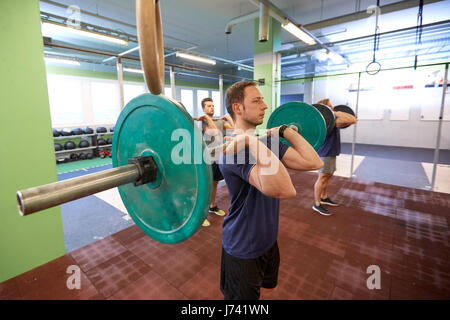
column 147, row 169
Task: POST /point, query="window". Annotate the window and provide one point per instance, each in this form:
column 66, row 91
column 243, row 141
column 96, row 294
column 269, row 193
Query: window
column 131, row 91
column 187, row 97
column 65, row 96
column 168, row 92
column 105, row 101
column 217, row 104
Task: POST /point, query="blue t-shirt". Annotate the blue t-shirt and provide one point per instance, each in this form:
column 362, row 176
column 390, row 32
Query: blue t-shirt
column 251, row 227
column 332, row 145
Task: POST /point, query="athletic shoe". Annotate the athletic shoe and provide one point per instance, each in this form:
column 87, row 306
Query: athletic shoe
column 206, row 223
column 328, row 201
column 217, row 211
column 322, row 210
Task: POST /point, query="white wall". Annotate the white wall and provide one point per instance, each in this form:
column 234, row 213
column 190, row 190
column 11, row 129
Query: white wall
column 381, row 102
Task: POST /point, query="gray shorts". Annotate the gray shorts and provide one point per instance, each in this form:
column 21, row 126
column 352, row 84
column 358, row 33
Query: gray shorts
column 329, row 165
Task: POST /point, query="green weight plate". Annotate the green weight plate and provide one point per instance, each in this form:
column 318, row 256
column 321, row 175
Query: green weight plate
column 305, row 117
column 173, row 207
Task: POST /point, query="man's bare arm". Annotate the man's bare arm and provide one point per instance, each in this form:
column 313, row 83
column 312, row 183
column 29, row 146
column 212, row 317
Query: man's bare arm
column 301, row 156
column 344, row 119
column 230, row 124
column 269, row 175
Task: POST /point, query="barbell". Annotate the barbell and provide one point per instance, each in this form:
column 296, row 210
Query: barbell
column 166, row 189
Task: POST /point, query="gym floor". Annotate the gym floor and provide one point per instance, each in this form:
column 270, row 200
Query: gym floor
column 403, row 231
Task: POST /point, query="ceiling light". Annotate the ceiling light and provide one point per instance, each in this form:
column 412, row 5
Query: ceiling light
column 244, row 68
column 195, row 58
column 52, row 28
column 299, row 33
column 132, row 70
column 63, row 61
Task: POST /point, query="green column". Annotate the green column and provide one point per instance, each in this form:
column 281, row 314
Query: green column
column 267, row 63
column 27, row 154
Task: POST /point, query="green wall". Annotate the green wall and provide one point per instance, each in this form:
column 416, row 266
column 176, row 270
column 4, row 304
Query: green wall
column 273, row 43
column 78, row 72
column 126, row 77
column 266, row 68
column 25, row 242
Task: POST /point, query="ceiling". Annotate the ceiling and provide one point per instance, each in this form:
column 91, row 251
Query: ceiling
column 198, row 26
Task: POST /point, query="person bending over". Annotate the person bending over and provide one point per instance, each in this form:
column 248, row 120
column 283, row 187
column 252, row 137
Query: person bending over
column 328, row 152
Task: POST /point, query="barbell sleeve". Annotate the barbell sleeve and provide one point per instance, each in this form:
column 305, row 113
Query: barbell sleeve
column 46, row 196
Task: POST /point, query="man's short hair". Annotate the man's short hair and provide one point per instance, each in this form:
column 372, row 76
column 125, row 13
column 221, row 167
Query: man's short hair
column 325, row 102
column 235, row 94
column 205, row 100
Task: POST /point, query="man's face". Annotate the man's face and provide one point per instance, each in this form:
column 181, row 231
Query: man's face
column 208, row 108
column 253, row 107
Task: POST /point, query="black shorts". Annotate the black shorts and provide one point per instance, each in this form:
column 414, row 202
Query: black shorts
column 217, row 175
column 241, row 279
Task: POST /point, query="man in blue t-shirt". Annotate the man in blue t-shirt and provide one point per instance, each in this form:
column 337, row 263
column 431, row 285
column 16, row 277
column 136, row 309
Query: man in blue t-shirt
column 328, row 152
column 256, row 176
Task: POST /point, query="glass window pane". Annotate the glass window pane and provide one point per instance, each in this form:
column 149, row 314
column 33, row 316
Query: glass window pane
column 105, row 101
column 187, row 97
column 216, row 99
column 168, row 92
column 65, row 96
column 131, row 91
